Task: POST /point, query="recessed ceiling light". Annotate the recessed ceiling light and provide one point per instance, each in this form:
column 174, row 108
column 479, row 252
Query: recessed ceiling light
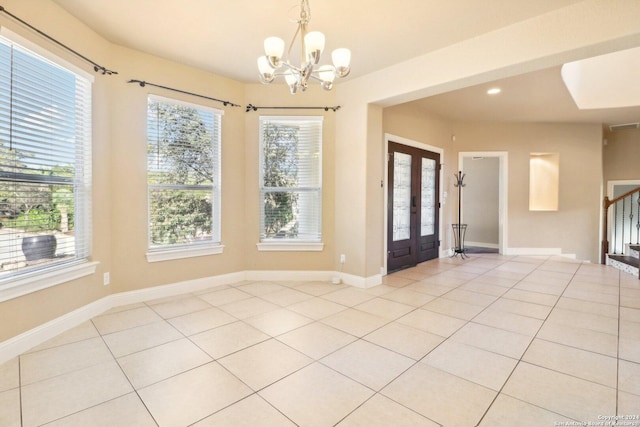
column 494, row 91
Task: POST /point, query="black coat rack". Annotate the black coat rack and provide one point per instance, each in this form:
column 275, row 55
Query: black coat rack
column 459, row 229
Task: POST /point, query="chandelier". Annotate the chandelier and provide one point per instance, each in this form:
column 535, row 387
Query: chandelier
column 274, row 64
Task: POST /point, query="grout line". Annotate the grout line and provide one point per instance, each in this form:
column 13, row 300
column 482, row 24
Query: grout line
column 618, row 346
column 135, row 390
column 20, row 389
column 528, row 346
column 363, row 338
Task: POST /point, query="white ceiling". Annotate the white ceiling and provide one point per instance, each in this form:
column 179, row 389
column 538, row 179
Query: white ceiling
column 540, row 96
column 225, row 37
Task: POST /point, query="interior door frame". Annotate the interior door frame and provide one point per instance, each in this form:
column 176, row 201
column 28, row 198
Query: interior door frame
column 503, row 192
column 385, row 186
column 610, row 185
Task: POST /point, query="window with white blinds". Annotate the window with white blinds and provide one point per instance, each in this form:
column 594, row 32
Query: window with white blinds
column 291, row 179
column 183, row 173
column 45, row 163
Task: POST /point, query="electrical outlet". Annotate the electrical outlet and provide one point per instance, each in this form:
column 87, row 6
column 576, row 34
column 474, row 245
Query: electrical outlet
column 343, row 258
column 106, row 279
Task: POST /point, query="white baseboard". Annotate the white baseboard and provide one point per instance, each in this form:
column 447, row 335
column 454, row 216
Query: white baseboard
column 359, row 281
column 538, row 251
column 163, row 291
column 289, row 275
column 482, row 245
column 532, row 251
column 36, row 336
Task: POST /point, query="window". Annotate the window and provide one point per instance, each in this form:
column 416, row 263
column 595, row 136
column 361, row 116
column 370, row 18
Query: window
column 291, row 179
column 45, row 166
column 183, row 175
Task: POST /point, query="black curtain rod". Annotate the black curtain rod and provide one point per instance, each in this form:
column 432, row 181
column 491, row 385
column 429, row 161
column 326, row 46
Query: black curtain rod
column 252, row 107
column 142, row 83
column 96, row 67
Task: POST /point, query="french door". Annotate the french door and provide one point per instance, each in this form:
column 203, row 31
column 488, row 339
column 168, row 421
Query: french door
column 413, row 206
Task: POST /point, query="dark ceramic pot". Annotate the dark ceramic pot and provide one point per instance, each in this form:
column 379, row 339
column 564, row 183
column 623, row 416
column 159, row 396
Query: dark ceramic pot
column 39, row 247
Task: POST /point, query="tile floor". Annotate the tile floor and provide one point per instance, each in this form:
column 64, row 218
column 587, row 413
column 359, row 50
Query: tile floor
column 488, row 341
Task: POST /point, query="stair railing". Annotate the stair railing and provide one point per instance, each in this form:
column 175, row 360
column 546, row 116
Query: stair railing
column 625, row 227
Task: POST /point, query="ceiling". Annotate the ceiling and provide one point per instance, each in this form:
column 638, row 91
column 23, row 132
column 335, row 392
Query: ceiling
column 539, row 96
column 225, row 37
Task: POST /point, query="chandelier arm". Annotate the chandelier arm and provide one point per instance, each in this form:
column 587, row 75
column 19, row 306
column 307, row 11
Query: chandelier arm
column 316, row 78
column 306, row 73
column 292, row 67
column 293, row 40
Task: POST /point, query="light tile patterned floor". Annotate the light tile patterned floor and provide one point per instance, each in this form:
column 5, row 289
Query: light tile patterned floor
column 488, row 341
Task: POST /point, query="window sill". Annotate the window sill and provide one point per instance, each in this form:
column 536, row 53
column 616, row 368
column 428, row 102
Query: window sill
column 45, row 279
column 171, row 254
column 290, row 246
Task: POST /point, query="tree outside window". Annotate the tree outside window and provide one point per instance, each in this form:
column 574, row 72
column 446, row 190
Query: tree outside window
column 45, row 162
column 183, row 173
column 291, row 182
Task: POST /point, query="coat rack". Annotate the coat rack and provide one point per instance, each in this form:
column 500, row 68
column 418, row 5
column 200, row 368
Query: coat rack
column 459, row 230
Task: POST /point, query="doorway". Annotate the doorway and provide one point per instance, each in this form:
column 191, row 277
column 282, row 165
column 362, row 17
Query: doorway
column 413, row 202
column 481, row 200
column 617, row 237
column 484, row 199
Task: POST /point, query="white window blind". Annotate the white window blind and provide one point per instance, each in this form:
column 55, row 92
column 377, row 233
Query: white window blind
column 45, row 163
column 183, row 171
column 291, row 178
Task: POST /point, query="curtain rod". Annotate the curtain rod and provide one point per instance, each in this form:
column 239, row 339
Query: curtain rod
column 96, row 67
column 252, row 107
column 142, row 83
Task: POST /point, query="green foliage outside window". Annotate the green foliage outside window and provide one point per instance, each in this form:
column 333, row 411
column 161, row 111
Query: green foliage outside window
column 280, row 145
column 42, row 206
column 180, row 174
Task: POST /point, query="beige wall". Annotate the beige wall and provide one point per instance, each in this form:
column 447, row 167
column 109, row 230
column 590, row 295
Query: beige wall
column 119, row 173
column 353, row 223
column 408, row 122
column 278, row 95
column 541, row 42
column 574, row 227
column 128, row 211
column 622, row 155
column 26, row 312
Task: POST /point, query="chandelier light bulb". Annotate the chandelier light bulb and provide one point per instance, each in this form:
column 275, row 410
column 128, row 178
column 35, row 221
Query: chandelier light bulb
column 267, row 73
column 274, row 49
column 290, row 78
column 341, row 60
column 314, row 45
column 327, row 73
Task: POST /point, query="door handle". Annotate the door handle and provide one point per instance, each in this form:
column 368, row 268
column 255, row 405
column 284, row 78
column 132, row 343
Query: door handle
column 413, row 201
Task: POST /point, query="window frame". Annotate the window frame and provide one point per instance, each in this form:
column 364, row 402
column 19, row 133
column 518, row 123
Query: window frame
column 159, row 253
column 290, row 244
column 48, row 275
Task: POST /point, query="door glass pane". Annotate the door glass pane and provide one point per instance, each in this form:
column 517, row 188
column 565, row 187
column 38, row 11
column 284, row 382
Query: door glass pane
column 401, row 196
column 428, row 202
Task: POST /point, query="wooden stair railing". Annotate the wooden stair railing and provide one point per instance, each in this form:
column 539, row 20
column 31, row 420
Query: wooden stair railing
column 605, row 230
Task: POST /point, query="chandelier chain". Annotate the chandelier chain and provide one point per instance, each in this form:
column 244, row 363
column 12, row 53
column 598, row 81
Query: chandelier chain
column 305, row 11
